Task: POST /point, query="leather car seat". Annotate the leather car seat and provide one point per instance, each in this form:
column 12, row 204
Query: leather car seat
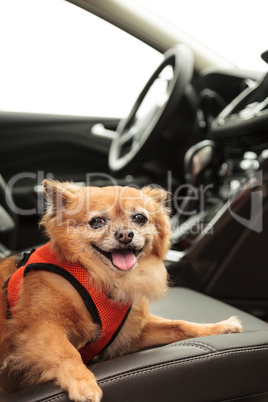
column 231, row 367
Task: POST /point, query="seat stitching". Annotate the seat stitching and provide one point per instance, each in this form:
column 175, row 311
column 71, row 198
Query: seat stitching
column 194, row 344
column 243, row 398
column 50, row 399
column 163, row 366
column 54, row 398
column 170, row 364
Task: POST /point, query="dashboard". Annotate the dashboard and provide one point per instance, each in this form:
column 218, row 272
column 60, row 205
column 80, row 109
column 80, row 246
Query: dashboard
column 221, row 249
column 246, row 114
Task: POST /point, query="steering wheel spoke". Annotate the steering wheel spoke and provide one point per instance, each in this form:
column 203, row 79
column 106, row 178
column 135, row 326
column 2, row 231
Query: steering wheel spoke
column 128, row 136
column 153, row 108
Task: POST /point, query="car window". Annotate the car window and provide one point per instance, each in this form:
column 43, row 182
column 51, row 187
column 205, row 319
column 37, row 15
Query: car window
column 236, row 30
column 58, row 58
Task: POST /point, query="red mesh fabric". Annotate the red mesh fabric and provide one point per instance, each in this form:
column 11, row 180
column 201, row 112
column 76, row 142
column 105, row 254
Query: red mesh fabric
column 111, row 314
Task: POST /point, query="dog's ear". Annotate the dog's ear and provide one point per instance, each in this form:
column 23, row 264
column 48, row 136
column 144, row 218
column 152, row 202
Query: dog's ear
column 156, row 204
column 158, row 194
column 59, row 195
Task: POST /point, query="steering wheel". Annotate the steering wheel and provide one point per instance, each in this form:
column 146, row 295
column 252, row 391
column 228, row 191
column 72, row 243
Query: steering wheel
column 152, row 109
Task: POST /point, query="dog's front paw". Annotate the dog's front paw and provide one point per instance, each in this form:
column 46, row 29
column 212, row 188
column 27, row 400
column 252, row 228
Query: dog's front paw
column 229, row 326
column 85, row 391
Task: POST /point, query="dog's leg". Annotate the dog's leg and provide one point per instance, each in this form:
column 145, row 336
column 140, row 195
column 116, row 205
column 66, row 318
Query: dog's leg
column 47, row 353
column 160, row 331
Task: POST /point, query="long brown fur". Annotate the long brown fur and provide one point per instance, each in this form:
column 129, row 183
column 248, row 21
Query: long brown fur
column 41, row 340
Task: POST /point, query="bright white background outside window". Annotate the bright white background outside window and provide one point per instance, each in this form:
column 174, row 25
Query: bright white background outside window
column 235, row 29
column 58, row 58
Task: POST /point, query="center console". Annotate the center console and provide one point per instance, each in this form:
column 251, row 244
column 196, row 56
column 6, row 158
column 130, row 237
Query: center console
column 222, row 248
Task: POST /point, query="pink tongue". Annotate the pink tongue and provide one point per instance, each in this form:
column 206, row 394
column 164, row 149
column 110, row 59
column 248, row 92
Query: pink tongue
column 124, row 260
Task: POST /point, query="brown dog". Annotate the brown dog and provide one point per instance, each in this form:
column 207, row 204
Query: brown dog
column 87, row 291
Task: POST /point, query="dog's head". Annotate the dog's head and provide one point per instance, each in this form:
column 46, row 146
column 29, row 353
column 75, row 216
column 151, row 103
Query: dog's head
column 112, row 231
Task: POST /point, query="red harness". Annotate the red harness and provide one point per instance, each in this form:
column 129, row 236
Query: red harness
column 109, row 315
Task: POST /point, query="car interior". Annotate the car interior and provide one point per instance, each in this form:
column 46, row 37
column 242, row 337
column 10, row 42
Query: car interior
column 205, row 140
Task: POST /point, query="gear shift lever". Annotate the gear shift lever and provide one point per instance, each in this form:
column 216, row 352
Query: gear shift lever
column 197, row 160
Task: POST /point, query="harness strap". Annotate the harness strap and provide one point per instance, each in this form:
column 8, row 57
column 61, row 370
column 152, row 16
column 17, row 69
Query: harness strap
column 107, row 314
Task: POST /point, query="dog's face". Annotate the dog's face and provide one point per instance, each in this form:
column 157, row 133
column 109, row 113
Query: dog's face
column 119, row 236
column 113, row 228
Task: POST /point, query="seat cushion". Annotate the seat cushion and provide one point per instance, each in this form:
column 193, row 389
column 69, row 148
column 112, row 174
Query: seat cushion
column 215, row 368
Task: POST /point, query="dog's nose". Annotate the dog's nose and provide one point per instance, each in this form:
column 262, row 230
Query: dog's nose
column 124, row 236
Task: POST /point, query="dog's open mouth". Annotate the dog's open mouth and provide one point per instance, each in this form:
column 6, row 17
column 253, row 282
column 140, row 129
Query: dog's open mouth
column 124, row 259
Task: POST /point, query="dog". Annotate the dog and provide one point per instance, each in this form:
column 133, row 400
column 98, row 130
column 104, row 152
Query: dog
column 85, row 294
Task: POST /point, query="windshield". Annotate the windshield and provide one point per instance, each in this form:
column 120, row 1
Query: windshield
column 235, row 29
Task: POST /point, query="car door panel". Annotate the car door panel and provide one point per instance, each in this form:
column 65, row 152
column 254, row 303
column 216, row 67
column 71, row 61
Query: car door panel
column 35, row 146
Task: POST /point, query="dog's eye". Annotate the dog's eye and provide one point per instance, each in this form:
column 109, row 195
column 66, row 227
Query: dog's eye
column 97, row 222
column 140, row 219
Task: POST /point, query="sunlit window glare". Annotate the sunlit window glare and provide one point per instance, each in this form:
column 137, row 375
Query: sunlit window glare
column 235, row 29
column 58, row 58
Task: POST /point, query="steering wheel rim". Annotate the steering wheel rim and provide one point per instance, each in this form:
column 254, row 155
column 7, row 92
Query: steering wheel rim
column 180, row 58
